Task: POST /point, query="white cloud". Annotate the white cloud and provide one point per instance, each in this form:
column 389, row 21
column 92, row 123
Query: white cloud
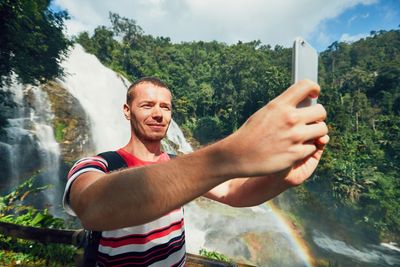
column 353, row 18
column 390, row 14
column 365, row 16
column 324, row 39
column 272, row 22
column 352, row 38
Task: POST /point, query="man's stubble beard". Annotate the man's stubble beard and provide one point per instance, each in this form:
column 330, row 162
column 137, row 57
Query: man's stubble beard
column 151, row 139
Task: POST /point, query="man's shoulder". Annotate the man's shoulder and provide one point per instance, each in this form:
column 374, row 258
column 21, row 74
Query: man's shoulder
column 114, row 160
column 95, row 163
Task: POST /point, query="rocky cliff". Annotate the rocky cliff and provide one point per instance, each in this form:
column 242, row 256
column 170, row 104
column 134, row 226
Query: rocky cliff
column 70, row 123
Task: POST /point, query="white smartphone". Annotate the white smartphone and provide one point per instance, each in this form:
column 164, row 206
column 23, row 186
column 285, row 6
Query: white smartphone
column 304, row 66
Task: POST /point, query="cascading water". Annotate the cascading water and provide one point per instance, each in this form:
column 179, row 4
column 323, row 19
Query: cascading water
column 29, row 144
column 367, row 255
column 253, row 235
column 49, row 149
column 176, row 136
column 101, row 93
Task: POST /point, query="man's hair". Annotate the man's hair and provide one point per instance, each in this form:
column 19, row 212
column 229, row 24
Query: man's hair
column 152, row 80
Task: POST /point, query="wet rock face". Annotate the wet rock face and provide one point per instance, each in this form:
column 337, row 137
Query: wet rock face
column 71, row 124
column 19, row 158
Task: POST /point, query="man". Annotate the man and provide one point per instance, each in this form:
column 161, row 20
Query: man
column 139, row 209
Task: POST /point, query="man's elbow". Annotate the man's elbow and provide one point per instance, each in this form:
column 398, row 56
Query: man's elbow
column 85, row 211
column 237, row 202
column 90, row 224
column 88, row 221
column 231, row 201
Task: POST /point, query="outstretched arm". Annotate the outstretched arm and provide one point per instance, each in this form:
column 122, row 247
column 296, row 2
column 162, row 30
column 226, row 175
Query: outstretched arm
column 272, row 141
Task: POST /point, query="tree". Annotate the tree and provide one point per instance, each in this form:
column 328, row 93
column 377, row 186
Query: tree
column 126, row 28
column 387, row 88
column 32, row 40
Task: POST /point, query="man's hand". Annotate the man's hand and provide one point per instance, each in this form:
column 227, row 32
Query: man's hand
column 246, row 192
column 280, row 137
column 279, row 147
column 303, row 169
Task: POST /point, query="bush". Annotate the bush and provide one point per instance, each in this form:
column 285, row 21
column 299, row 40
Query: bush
column 30, row 253
column 208, row 130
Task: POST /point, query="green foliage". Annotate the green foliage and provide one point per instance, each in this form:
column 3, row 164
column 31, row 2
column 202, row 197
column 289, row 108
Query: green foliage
column 214, row 255
column 10, row 258
column 32, row 42
column 360, row 171
column 13, row 210
column 59, row 131
column 208, row 129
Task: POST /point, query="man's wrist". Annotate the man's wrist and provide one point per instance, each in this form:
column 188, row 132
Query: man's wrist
column 225, row 163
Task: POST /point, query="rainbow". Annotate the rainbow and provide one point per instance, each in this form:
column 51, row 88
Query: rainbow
column 296, row 241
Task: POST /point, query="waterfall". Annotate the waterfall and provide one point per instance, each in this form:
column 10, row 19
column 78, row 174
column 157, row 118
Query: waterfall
column 42, row 117
column 102, row 93
column 16, row 135
column 368, row 255
column 29, row 144
column 176, row 136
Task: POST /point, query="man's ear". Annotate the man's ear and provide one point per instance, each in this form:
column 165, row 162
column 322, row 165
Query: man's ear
column 127, row 112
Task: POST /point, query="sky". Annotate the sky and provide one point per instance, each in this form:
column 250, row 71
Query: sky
column 278, row 22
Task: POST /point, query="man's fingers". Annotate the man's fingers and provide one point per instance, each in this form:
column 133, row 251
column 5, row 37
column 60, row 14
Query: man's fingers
column 322, row 141
column 308, row 150
column 316, row 148
column 312, row 114
column 300, row 91
column 314, row 131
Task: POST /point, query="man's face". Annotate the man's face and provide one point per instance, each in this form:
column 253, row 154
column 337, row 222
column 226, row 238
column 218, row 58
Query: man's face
column 150, row 111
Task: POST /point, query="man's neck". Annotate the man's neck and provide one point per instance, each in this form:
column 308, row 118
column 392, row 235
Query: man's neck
column 143, row 149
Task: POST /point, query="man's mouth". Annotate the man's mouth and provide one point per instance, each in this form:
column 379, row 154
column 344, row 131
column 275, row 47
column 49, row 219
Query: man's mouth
column 156, row 126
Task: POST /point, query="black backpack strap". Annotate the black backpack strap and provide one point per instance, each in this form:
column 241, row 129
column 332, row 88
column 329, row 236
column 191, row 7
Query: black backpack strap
column 91, row 246
column 114, row 160
column 172, row 155
column 92, row 238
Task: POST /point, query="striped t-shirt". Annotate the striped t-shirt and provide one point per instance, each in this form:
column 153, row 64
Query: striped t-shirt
column 157, row 243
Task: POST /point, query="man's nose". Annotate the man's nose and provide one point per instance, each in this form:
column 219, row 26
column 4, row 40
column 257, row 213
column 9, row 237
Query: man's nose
column 157, row 112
